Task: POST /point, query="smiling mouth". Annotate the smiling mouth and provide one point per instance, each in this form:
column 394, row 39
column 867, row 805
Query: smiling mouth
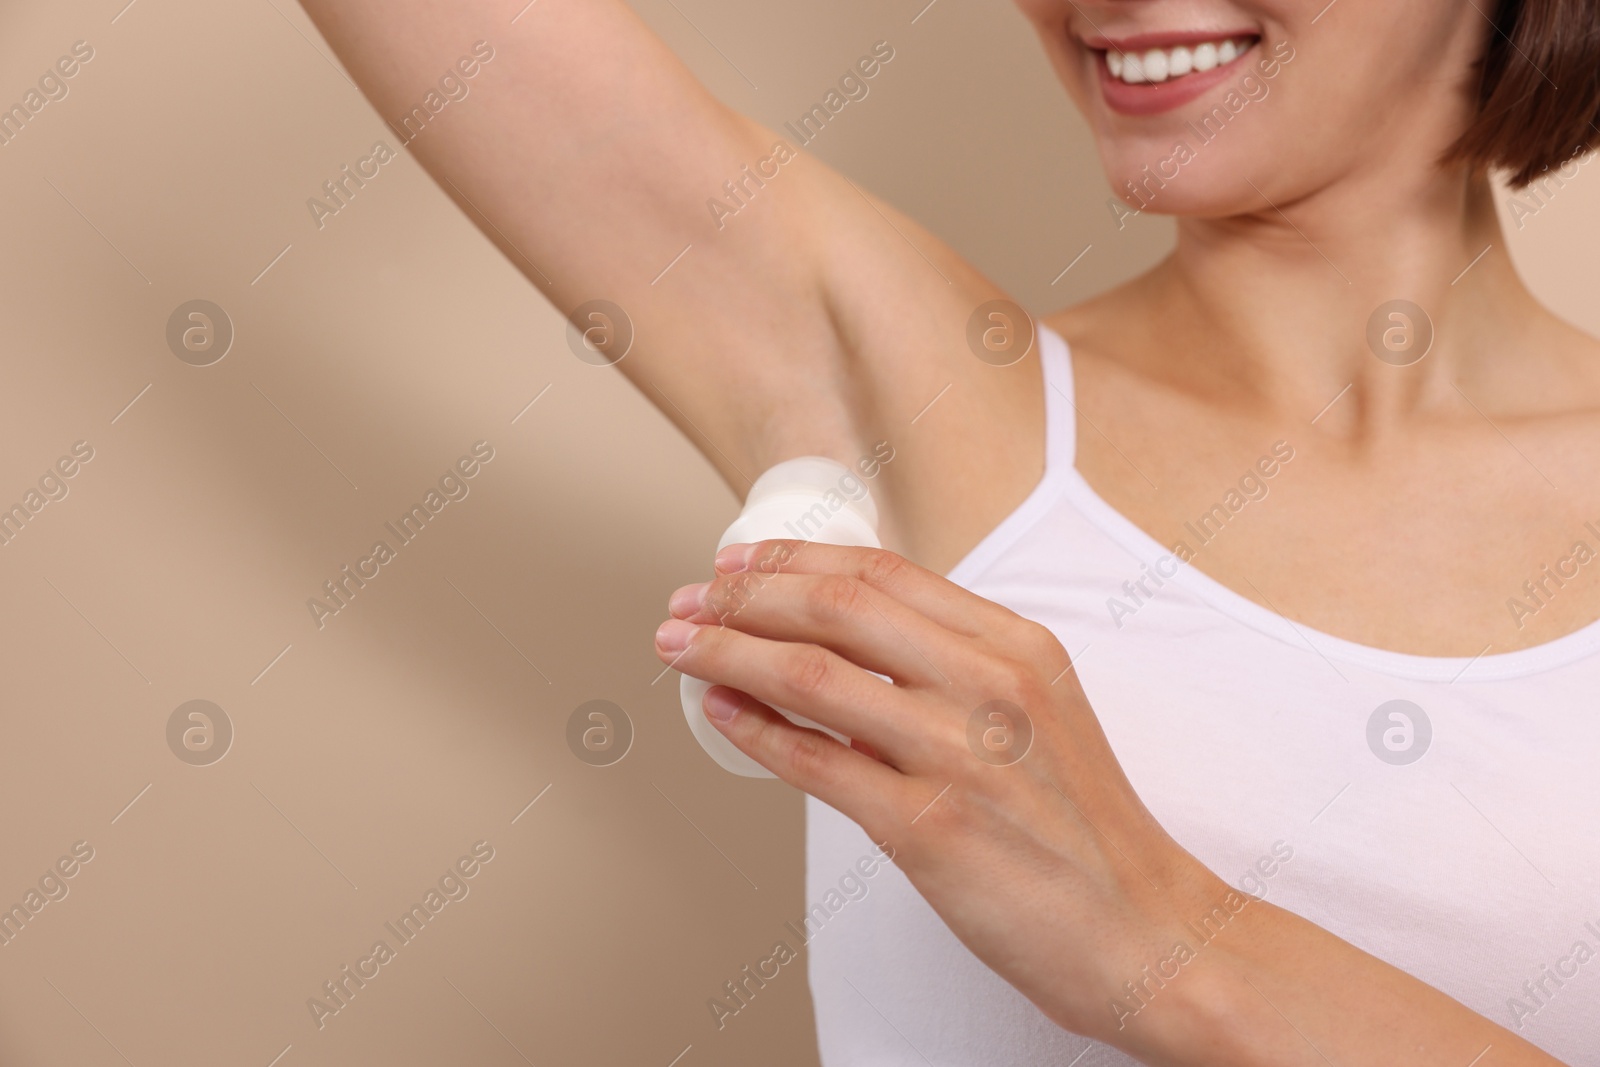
column 1156, row 65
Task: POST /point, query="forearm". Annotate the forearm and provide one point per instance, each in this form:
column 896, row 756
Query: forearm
column 577, row 145
column 1275, row 989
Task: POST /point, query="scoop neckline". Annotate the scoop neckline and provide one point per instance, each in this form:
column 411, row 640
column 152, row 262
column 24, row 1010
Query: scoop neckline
column 1062, row 481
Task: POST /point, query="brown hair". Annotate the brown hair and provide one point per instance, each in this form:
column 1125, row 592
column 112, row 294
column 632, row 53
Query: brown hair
column 1539, row 97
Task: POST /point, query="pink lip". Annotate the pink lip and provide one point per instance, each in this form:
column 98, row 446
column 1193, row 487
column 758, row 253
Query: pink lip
column 1152, row 98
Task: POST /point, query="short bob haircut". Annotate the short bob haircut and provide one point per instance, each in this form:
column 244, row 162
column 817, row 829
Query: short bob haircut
column 1539, row 93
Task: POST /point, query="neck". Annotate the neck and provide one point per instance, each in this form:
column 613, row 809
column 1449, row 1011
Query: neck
column 1279, row 301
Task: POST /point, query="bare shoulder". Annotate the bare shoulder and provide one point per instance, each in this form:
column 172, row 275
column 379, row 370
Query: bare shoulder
column 1110, row 337
column 1570, row 378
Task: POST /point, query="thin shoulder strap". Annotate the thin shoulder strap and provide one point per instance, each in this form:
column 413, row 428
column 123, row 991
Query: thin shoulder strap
column 1061, row 413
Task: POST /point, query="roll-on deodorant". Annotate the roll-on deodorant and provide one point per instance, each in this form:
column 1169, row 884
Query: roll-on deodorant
column 805, row 499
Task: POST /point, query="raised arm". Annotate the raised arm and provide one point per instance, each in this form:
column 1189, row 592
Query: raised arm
column 590, row 155
column 814, row 320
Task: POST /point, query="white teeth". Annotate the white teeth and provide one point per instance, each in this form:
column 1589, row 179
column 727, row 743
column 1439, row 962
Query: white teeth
column 1163, row 64
column 1155, row 65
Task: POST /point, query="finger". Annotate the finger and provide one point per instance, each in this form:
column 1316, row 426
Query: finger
column 813, row 682
column 920, row 589
column 846, row 780
column 865, row 749
column 837, row 611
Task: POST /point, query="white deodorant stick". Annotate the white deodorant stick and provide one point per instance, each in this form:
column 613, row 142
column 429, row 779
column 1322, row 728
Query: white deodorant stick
column 805, row 499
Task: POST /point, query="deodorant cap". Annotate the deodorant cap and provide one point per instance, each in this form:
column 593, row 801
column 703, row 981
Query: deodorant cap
column 808, row 499
column 812, row 475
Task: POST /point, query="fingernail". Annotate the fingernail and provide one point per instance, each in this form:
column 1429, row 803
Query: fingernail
column 687, row 601
column 733, row 558
column 673, row 635
column 722, row 705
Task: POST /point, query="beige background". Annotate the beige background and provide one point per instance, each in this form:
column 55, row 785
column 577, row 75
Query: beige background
column 428, row 714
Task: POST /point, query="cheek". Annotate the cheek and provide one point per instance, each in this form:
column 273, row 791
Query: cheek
column 1073, row 66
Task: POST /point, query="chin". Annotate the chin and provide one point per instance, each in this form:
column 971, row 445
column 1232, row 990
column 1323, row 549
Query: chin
column 1182, row 121
column 1179, row 174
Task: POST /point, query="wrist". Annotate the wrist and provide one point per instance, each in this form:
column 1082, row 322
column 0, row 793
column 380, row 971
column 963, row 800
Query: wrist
column 1194, row 1004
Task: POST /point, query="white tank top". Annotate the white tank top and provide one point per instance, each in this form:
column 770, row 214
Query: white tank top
column 1459, row 842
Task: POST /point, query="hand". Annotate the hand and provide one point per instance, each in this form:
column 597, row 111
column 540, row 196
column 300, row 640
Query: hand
column 981, row 763
column 1022, row 831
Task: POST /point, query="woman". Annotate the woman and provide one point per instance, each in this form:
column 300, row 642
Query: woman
column 1267, row 573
